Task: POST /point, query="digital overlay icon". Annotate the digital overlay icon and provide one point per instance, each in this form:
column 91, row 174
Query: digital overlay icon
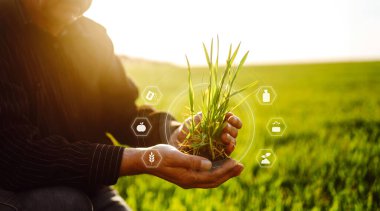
column 151, row 158
column 276, row 126
column 266, row 158
column 266, row 95
column 151, row 95
column 141, row 126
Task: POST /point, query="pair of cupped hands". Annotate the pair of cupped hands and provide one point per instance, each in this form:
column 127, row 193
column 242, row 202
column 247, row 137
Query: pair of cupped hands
column 187, row 171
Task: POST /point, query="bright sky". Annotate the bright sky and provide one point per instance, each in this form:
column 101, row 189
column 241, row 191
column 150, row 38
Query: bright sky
column 272, row 30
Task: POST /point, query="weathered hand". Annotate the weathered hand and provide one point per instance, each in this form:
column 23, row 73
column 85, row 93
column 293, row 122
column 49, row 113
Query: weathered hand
column 228, row 136
column 187, row 171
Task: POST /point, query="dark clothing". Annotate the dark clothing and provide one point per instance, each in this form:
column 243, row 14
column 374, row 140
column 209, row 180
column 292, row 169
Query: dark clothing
column 61, row 198
column 58, row 98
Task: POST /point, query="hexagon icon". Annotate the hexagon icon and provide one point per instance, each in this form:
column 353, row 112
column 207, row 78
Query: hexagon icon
column 276, row 126
column 151, row 95
column 266, row 95
column 141, row 126
column 266, row 158
column 151, row 158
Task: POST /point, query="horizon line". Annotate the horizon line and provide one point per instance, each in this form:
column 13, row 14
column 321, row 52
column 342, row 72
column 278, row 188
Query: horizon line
column 264, row 63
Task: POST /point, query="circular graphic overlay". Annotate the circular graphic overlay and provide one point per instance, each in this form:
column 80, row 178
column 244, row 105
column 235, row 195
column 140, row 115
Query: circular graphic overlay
column 179, row 107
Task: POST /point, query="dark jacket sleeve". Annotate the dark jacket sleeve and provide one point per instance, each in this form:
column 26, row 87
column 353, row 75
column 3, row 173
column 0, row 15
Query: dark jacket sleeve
column 28, row 160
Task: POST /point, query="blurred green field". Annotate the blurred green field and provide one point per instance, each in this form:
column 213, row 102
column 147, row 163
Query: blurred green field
column 329, row 157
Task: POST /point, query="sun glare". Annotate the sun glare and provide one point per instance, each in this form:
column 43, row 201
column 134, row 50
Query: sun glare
column 275, row 31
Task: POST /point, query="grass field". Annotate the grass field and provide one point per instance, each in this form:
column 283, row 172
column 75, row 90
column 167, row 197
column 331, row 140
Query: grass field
column 329, row 157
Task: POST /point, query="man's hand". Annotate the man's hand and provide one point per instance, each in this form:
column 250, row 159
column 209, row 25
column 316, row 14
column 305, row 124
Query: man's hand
column 228, row 136
column 187, row 171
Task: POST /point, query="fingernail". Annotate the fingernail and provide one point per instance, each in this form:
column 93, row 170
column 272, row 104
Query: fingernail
column 206, row 165
column 240, row 169
column 230, row 138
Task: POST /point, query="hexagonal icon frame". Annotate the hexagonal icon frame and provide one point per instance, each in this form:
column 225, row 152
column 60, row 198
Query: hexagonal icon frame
column 149, row 164
column 258, row 95
column 152, row 95
column 141, row 119
column 263, row 152
column 270, row 129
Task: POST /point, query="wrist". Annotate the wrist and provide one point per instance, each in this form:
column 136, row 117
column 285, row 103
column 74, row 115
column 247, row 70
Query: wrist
column 131, row 163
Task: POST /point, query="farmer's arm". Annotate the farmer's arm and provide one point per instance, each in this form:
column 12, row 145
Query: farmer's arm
column 28, row 160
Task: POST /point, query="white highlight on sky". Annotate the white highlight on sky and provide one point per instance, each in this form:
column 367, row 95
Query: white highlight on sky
column 274, row 31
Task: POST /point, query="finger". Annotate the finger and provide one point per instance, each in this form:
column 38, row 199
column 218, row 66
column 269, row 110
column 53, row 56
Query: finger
column 229, row 128
column 209, row 177
column 227, row 138
column 235, row 121
column 230, row 148
column 183, row 131
column 198, row 118
column 214, row 175
column 191, row 162
column 236, row 171
column 228, row 115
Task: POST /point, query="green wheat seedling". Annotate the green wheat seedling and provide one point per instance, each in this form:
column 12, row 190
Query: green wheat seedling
column 203, row 137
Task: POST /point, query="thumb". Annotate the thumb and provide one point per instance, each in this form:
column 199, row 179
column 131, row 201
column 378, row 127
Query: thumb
column 198, row 163
column 192, row 162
